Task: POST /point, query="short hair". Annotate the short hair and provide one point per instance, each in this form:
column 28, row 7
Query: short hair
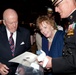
column 48, row 20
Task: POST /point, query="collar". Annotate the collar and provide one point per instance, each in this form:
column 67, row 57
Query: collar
column 8, row 33
column 72, row 17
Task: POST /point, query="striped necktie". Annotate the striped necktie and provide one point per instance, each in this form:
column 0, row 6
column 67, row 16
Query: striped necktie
column 11, row 42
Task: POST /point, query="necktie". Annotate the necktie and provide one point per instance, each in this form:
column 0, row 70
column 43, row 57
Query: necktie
column 11, row 42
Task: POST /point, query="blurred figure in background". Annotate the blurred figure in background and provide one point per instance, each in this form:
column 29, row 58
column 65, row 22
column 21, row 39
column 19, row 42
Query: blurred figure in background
column 32, row 33
column 50, row 13
column 39, row 40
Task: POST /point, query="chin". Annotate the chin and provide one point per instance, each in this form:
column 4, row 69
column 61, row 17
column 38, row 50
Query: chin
column 62, row 16
column 13, row 31
column 47, row 37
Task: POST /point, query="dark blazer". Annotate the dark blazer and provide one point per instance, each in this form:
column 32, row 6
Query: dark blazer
column 23, row 35
column 67, row 63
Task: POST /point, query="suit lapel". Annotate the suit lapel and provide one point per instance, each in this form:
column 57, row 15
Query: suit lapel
column 18, row 41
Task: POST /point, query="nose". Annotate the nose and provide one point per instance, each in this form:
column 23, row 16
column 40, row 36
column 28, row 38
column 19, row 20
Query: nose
column 14, row 24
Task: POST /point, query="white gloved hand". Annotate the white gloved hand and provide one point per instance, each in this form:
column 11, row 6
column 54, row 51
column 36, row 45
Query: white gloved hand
column 42, row 57
column 45, row 62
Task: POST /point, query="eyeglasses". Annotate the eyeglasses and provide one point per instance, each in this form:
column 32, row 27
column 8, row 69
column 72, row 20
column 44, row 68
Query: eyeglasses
column 56, row 5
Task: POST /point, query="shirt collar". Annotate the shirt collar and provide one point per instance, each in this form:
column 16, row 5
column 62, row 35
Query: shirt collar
column 72, row 17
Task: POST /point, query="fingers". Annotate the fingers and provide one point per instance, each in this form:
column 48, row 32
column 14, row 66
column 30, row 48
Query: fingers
column 49, row 64
column 3, row 69
column 41, row 63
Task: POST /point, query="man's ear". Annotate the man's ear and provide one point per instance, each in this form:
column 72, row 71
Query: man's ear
column 4, row 22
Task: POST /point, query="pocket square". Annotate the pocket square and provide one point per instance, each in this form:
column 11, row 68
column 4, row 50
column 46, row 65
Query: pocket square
column 22, row 43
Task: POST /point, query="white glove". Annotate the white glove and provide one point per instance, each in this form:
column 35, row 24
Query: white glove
column 42, row 57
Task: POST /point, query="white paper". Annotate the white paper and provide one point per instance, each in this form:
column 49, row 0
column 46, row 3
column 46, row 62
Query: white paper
column 25, row 58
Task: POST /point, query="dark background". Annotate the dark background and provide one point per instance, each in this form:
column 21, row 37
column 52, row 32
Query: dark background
column 28, row 10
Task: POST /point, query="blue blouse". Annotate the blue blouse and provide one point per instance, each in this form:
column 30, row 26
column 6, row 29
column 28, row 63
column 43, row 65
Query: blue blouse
column 56, row 46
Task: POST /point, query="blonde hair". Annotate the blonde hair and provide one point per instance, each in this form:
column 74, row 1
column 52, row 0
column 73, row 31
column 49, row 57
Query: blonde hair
column 48, row 20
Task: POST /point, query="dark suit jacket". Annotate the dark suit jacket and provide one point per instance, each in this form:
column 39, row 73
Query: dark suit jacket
column 23, row 35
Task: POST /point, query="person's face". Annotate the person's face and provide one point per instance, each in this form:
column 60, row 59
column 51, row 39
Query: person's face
column 63, row 8
column 49, row 15
column 46, row 29
column 11, row 23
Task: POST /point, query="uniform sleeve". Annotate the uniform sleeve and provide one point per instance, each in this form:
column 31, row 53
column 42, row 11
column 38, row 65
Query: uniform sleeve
column 64, row 64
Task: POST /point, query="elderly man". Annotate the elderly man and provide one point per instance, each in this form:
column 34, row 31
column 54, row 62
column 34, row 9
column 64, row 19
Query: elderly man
column 14, row 40
column 67, row 63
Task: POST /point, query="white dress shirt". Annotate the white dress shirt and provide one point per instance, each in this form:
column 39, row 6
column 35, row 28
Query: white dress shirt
column 14, row 36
